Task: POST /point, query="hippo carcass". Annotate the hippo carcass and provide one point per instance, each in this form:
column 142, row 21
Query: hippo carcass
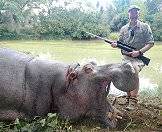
column 32, row 87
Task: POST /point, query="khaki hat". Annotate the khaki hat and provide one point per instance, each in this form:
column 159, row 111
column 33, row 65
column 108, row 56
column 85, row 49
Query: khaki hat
column 133, row 7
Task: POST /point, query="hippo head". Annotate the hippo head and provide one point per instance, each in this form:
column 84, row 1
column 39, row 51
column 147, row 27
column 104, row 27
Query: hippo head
column 86, row 90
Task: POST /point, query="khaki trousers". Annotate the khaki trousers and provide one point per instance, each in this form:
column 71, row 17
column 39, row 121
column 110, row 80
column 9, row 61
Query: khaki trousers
column 136, row 63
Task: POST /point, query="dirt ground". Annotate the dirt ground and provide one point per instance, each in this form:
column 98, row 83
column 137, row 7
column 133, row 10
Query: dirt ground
column 147, row 115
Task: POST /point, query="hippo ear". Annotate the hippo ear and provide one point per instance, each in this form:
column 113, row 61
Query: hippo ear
column 88, row 68
column 72, row 76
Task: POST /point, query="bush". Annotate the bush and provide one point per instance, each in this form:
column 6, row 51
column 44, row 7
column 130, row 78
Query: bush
column 161, row 38
column 5, row 34
column 114, row 36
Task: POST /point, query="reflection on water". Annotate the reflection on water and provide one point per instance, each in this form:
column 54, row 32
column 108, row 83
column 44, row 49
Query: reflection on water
column 145, row 86
column 161, row 69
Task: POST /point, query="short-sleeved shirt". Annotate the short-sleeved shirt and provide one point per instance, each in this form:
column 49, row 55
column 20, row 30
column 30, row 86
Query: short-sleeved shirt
column 142, row 35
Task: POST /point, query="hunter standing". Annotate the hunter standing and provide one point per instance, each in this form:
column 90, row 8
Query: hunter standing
column 138, row 35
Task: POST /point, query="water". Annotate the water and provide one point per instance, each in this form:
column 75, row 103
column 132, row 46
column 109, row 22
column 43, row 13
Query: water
column 161, row 69
column 146, row 85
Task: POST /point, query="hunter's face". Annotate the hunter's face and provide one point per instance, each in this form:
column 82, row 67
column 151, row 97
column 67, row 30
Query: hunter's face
column 133, row 14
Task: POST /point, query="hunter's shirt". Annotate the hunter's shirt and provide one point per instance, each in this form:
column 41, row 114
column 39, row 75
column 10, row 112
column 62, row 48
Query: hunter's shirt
column 137, row 36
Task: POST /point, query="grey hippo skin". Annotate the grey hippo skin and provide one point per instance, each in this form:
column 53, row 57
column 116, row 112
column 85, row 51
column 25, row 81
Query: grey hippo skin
column 32, row 87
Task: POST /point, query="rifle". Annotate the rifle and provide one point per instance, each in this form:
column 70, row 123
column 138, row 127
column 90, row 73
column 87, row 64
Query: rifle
column 125, row 47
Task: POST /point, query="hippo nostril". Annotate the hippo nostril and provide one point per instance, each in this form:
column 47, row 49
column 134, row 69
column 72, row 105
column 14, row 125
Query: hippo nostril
column 88, row 70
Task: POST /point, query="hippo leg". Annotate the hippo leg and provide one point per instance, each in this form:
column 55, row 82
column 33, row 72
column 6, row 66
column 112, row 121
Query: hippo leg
column 107, row 116
column 11, row 115
column 110, row 120
column 107, row 122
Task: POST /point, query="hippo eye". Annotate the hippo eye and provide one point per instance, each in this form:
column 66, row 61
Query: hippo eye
column 88, row 70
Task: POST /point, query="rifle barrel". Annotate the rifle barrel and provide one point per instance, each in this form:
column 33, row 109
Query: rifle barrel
column 98, row 37
column 123, row 47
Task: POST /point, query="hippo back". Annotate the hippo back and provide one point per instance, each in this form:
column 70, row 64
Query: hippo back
column 12, row 77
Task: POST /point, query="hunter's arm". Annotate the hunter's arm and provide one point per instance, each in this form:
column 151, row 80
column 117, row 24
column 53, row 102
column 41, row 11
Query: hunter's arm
column 149, row 40
column 146, row 47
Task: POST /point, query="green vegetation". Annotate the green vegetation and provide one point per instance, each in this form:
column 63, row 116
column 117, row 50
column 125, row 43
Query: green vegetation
column 50, row 123
column 67, row 51
column 113, row 36
column 18, row 20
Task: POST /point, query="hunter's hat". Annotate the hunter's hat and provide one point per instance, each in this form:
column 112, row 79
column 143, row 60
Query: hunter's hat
column 133, row 7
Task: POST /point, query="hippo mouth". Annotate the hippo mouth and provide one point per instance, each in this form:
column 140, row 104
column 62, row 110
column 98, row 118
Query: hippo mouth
column 114, row 114
column 105, row 84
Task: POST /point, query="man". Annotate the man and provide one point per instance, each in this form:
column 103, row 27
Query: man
column 138, row 35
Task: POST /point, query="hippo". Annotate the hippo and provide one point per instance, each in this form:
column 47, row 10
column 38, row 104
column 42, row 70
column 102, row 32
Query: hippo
column 31, row 87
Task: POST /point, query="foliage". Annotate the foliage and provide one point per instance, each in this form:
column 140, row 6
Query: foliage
column 154, row 17
column 6, row 34
column 40, row 19
column 118, row 22
column 51, row 122
column 156, row 22
column 113, row 36
column 70, row 24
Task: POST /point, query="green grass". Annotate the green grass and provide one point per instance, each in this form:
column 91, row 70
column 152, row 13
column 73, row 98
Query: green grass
column 66, row 51
column 77, row 51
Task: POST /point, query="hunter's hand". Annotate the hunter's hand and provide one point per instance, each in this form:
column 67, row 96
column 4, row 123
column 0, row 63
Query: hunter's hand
column 134, row 53
column 114, row 44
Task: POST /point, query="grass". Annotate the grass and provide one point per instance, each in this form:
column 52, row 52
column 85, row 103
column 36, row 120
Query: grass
column 66, row 51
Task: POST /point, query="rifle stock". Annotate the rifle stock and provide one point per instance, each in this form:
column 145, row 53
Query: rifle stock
column 125, row 47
